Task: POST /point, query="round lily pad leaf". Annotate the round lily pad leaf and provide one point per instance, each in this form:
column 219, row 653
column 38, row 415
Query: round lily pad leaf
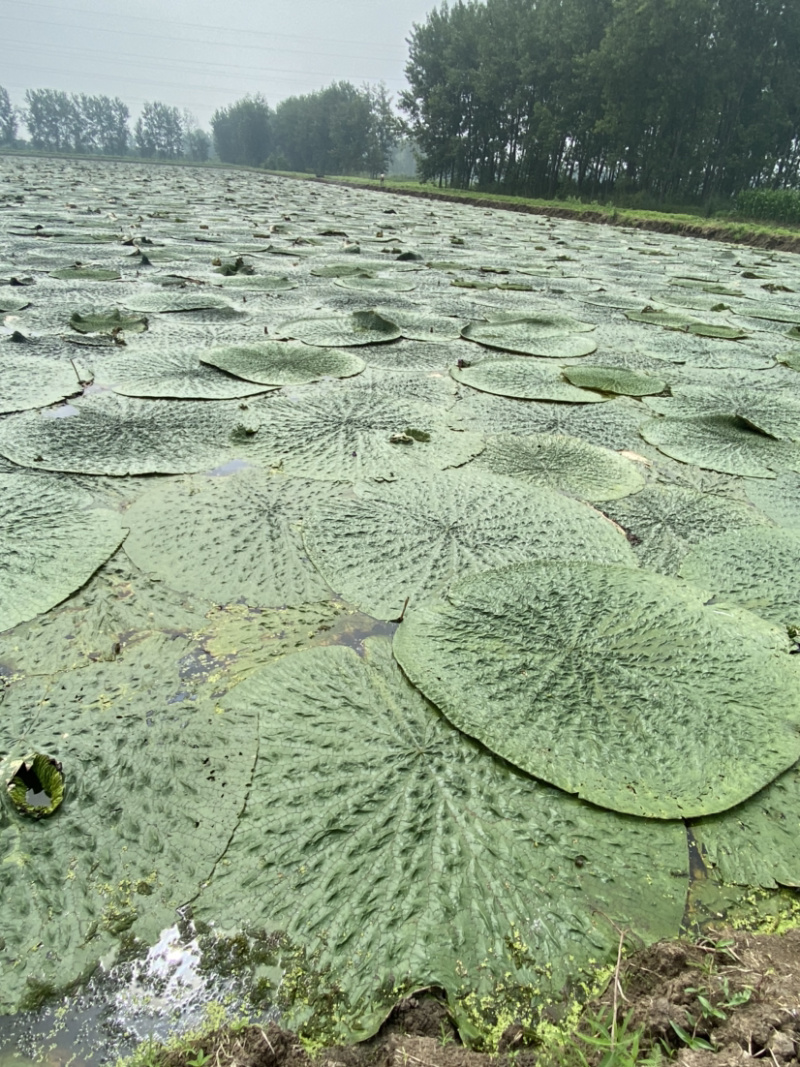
column 424, row 325
column 369, row 284
column 790, row 359
column 352, row 434
column 613, row 683
column 108, row 434
column 754, row 568
column 723, row 443
column 669, row 319
column 36, row 786
column 411, row 539
column 232, row 538
column 757, row 843
column 526, row 379
column 534, row 335
column 614, row 380
column 341, row 270
column 170, row 373
column 342, row 331
column 94, row 274
column 561, row 462
column 778, row 499
column 697, row 352
column 167, row 303
column 766, row 403
column 773, row 313
column 156, row 782
column 282, row 362
column 664, row 522
column 614, row 425
column 51, row 542
column 107, row 322
column 720, row 331
column 468, row 859
column 10, row 303
column 260, row 283
column 27, row 382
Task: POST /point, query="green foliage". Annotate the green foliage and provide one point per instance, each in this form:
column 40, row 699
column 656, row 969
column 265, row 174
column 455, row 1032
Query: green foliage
column 243, row 131
column 8, row 119
column 336, row 130
column 159, row 130
column 76, row 122
column 631, row 97
column 770, row 205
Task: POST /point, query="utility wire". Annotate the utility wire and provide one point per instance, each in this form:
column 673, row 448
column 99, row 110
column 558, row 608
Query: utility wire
column 249, row 34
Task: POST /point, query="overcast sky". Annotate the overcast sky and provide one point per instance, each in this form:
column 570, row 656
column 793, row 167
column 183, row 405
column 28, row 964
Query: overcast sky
column 203, row 54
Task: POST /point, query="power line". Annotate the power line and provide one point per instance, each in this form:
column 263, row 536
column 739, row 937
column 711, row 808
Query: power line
column 214, row 29
column 164, row 37
column 190, row 65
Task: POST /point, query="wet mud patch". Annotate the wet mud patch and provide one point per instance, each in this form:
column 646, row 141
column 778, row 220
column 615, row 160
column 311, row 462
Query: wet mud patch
column 730, row 998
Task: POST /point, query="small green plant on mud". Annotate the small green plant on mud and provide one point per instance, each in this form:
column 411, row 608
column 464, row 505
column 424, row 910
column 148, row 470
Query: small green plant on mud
column 611, row 1044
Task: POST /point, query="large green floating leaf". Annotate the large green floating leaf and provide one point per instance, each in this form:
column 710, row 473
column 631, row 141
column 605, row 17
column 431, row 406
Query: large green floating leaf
column 525, row 379
column 411, row 539
column 369, row 285
column 116, row 435
column 614, row 380
column 155, row 784
column 424, row 325
column 342, row 331
column 51, row 542
column 669, row 319
column 107, row 322
column 260, row 283
column 350, row 434
column 723, row 443
column 171, row 373
column 561, row 462
column 478, row 876
column 534, row 335
column 773, row 313
column 721, row 331
column 11, row 303
column 282, row 363
column 86, row 273
column 778, row 499
column 768, row 401
column 613, row 425
column 27, row 382
column 754, row 568
column 758, row 842
column 664, row 522
column 707, row 354
column 232, row 538
column 612, row 683
column 167, row 303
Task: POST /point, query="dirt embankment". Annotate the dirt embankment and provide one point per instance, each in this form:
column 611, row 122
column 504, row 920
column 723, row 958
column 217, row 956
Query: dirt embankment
column 731, row 1000
column 709, row 231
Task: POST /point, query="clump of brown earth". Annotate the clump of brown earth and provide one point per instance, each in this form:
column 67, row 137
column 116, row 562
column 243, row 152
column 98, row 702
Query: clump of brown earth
column 737, row 993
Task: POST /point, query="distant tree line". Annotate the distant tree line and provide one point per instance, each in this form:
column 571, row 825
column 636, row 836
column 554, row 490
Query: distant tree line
column 681, row 99
column 338, row 130
column 74, row 122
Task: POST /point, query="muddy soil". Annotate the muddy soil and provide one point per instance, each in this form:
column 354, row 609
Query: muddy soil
column 737, row 994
